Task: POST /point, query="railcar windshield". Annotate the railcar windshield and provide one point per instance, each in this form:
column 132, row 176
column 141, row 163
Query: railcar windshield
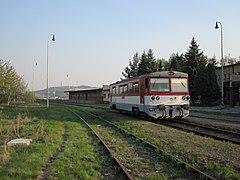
column 179, row 85
column 159, row 85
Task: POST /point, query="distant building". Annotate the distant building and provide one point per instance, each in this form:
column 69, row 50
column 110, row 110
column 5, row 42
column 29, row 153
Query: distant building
column 231, row 80
column 90, row 95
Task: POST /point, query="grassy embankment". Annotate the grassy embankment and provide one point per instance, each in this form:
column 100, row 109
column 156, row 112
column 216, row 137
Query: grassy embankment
column 219, row 159
column 49, row 129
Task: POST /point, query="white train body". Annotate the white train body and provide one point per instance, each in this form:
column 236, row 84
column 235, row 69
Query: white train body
column 160, row 95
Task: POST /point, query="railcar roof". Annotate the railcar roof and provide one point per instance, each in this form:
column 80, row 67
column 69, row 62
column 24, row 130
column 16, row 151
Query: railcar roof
column 157, row 74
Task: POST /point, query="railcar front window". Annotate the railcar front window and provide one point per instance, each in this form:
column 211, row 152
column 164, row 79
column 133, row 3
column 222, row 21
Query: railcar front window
column 159, row 85
column 179, row 85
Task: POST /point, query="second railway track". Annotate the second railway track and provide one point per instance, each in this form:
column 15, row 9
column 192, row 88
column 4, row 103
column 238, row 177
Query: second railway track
column 204, row 130
column 137, row 158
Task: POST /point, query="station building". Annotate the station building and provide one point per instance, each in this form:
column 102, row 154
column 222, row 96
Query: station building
column 90, row 95
column 231, row 81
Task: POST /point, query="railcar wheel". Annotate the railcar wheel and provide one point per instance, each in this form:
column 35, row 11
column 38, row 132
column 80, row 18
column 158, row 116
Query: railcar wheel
column 136, row 111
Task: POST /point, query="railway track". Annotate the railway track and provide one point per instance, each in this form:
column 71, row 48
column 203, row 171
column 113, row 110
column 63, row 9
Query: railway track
column 145, row 151
column 124, row 170
column 224, row 118
column 203, row 130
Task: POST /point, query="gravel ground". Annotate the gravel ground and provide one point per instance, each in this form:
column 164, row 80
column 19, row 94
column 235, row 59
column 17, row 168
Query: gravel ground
column 217, row 157
column 217, row 112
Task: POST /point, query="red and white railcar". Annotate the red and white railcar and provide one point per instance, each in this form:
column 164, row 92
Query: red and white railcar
column 160, row 95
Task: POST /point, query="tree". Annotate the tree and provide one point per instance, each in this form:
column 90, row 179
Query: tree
column 160, row 65
column 148, row 63
column 132, row 69
column 193, row 62
column 28, row 97
column 206, row 84
column 152, row 60
column 175, row 61
column 11, row 84
column 144, row 65
column 165, row 64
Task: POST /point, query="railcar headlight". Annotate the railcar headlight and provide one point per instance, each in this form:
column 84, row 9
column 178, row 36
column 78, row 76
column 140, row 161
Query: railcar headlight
column 187, row 98
column 153, row 98
column 157, row 98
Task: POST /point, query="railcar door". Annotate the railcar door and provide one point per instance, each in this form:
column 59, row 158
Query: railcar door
column 142, row 91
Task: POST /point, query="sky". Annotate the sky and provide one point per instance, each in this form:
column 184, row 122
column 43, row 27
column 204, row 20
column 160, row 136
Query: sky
column 95, row 39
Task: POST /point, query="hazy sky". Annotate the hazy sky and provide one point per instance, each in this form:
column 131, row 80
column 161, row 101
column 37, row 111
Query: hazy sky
column 96, row 38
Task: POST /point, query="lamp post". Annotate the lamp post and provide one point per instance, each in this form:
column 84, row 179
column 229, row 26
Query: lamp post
column 53, row 39
column 34, row 64
column 68, row 82
column 222, row 88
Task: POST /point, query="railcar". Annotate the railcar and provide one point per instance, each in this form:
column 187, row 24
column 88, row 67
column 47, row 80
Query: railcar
column 160, row 95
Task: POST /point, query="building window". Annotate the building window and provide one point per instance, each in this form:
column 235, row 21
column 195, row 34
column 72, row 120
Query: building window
column 225, row 76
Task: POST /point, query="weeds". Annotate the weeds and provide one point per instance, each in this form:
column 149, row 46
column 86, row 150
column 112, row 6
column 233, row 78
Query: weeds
column 5, row 154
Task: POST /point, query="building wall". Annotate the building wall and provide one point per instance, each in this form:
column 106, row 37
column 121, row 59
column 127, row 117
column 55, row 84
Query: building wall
column 231, row 79
column 100, row 95
column 227, row 71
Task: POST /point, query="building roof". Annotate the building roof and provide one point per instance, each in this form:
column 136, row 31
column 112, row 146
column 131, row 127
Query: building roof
column 83, row 90
column 230, row 65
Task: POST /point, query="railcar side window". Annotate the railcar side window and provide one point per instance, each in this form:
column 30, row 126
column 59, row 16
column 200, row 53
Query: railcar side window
column 125, row 89
column 114, row 90
column 130, row 88
column 159, row 85
column 179, row 85
column 121, row 90
column 135, row 87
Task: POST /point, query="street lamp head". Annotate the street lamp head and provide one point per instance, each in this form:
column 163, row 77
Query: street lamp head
column 53, row 39
column 216, row 27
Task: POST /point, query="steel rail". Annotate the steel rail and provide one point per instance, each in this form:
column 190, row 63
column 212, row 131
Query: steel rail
column 124, row 169
column 230, row 119
column 217, row 133
column 200, row 173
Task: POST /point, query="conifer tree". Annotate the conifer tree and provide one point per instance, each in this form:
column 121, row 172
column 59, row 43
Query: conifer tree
column 160, row 66
column 193, row 62
column 132, row 69
column 152, row 60
column 144, row 65
column 175, row 61
column 206, row 84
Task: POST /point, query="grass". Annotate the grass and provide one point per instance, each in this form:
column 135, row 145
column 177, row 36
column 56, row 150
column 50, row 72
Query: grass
column 195, row 150
column 84, row 158
column 81, row 158
column 141, row 160
column 198, row 151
